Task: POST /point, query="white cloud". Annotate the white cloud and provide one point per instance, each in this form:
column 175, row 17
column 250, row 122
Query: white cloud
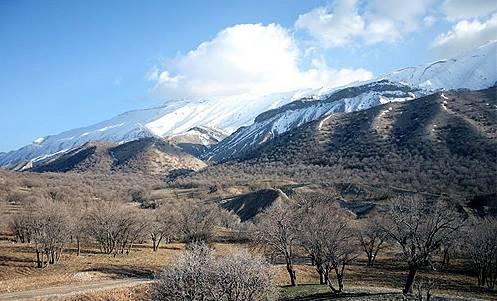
column 341, row 23
column 465, row 35
column 428, row 21
column 335, row 28
column 405, row 14
column 246, row 60
column 468, row 9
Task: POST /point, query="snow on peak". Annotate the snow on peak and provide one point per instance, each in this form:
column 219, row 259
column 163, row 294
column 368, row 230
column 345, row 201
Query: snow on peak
column 39, row 141
column 474, row 70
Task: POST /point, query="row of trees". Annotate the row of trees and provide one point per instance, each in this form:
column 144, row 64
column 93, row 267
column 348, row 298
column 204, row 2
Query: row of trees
column 115, row 227
column 417, row 227
column 420, row 229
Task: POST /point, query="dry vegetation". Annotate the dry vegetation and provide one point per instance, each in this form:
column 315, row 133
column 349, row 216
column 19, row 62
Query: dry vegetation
column 88, row 229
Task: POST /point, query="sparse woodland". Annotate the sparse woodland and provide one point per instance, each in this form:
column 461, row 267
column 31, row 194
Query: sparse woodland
column 426, row 233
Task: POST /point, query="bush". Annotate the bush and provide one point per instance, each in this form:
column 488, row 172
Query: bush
column 199, row 275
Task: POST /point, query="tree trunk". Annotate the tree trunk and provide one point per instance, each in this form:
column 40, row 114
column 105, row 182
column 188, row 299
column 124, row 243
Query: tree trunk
column 370, row 260
column 340, row 282
column 321, row 277
column 38, row 260
column 410, row 280
column 291, row 272
column 330, row 285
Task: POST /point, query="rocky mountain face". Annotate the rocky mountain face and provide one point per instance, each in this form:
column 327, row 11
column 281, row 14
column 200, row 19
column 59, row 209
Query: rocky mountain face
column 275, row 122
column 197, row 140
column 199, row 128
column 474, row 70
column 441, row 143
column 152, row 156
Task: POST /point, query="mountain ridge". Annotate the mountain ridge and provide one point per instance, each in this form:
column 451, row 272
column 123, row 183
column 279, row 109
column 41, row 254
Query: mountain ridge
column 244, row 119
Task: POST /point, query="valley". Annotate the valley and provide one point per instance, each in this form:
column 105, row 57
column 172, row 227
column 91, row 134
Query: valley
column 379, row 189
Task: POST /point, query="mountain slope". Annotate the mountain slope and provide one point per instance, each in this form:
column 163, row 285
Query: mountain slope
column 259, row 120
column 171, row 119
column 152, row 156
column 197, row 140
column 474, row 70
column 275, row 122
column 442, row 143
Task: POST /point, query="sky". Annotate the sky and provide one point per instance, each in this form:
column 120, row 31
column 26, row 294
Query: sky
column 67, row 64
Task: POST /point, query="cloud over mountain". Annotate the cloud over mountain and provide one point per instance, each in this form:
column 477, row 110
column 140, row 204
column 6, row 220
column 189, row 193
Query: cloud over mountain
column 247, row 60
column 465, row 35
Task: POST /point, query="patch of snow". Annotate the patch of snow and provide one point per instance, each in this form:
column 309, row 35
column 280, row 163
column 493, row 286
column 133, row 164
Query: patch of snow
column 323, row 121
column 39, row 141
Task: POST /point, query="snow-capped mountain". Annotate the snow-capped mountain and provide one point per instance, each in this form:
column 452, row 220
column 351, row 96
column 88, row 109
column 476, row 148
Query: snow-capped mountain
column 256, row 120
column 221, row 116
column 473, row 70
column 278, row 121
column 198, row 139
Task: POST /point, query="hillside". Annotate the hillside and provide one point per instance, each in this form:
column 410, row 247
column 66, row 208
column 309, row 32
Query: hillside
column 172, row 118
column 442, row 143
column 473, row 70
column 254, row 121
column 197, row 140
column 151, row 156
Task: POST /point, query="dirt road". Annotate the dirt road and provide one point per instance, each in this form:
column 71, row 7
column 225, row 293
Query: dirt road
column 67, row 290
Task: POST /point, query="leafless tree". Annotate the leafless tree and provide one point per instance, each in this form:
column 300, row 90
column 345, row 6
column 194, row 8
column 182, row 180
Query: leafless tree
column 78, row 224
column 326, row 233
column 163, row 224
column 50, row 231
column 228, row 219
column 276, row 229
column 197, row 220
column 241, row 276
column 21, row 225
column 420, row 228
column 372, row 238
column 198, row 274
column 312, row 236
column 115, row 226
column 480, row 246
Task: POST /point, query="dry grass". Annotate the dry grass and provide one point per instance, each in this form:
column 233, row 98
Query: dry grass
column 137, row 293
column 18, row 272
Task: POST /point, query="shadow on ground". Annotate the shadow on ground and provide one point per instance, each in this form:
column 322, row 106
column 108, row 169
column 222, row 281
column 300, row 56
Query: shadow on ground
column 124, row 272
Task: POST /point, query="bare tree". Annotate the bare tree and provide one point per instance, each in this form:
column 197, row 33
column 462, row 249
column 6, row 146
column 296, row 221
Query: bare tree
column 480, row 246
column 163, row 224
column 116, row 227
column 326, row 234
column 312, row 236
column 21, row 225
column 78, row 225
column 372, row 238
column 197, row 220
column 48, row 229
column 276, row 229
column 188, row 278
column 198, row 274
column 420, row 228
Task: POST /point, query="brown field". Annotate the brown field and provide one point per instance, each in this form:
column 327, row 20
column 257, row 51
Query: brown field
column 18, row 273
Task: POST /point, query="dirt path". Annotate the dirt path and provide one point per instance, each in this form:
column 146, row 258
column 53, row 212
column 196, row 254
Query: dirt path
column 74, row 289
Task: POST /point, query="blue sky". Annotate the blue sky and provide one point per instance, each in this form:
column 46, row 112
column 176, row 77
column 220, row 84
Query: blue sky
column 66, row 64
